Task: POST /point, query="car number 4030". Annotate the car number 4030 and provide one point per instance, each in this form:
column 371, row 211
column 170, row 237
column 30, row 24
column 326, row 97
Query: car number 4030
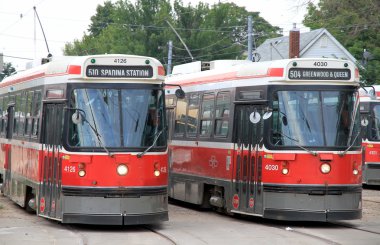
column 271, row 167
column 320, row 63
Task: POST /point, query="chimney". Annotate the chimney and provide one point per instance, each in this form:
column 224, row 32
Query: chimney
column 294, row 42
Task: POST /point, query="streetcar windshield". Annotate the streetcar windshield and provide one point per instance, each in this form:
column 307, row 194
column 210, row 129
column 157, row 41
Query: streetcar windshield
column 116, row 118
column 375, row 123
column 315, row 118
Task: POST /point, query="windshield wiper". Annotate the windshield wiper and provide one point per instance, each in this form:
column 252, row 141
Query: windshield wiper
column 349, row 147
column 77, row 117
column 98, row 136
column 314, row 153
column 156, row 136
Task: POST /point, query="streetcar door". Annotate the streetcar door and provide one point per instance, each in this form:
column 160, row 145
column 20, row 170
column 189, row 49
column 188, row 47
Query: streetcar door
column 8, row 151
column 248, row 131
column 50, row 189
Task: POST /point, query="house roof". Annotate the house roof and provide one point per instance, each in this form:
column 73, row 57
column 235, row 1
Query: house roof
column 278, row 48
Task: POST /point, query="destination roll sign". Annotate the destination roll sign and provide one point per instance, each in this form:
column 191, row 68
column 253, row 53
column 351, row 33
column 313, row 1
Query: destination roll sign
column 119, row 71
column 319, row 74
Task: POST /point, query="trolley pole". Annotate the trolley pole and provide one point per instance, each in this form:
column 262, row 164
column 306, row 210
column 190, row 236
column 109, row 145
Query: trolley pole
column 250, row 38
column 170, row 54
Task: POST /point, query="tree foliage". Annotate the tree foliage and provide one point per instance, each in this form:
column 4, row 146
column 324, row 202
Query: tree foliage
column 356, row 25
column 141, row 28
column 7, row 71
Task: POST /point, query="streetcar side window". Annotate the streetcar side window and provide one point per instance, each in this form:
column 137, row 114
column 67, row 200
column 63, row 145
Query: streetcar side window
column 36, row 110
column 28, row 115
column 207, row 114
column 4, row 115
column 1, row 114
column 21, row 124
column 16, row 119
column 192, row 115
column 222, row 113
column 180, row 117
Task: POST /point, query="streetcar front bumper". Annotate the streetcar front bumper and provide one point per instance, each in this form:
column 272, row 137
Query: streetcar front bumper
column 371, row 173
column 312, row 203
column 111, row 207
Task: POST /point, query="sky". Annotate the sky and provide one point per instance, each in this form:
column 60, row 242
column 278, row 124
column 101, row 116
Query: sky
column 21, row 38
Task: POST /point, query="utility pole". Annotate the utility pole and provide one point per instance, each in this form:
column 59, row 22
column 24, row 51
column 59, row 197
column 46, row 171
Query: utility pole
column 170, row 54
column 1, row 62
column 250, row 38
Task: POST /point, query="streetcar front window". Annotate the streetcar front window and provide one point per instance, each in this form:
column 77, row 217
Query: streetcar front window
column 112, row 118
column 315, row 119
column 375, row 123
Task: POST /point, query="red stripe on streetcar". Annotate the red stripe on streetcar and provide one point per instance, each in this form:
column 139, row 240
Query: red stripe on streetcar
column 209, row 79
column 23, row 79
column 275, row 72
column 357, row 73
column 161, row 71
column 326, row 157
column 75, row 70
column 284, row 156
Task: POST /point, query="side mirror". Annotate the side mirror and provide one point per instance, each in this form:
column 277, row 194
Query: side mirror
column 180, row 93
column 77, row 118
column 267, row 115
column 285, row 121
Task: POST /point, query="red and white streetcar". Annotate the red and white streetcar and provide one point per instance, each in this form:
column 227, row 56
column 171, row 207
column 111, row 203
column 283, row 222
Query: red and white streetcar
column 370, row 119
column 83, row 140
column 278, row 139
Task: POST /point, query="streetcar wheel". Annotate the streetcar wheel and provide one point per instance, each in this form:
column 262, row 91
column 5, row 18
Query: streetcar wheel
column 30, row 201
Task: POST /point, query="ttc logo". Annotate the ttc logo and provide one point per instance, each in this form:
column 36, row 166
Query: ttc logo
column 213, row 162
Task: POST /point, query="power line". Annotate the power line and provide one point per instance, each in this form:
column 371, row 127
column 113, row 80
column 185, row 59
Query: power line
column 21, row 17
column 17, row 57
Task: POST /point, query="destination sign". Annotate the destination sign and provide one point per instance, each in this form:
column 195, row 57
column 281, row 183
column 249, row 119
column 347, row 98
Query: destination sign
column 319, row 74
column 119, row 71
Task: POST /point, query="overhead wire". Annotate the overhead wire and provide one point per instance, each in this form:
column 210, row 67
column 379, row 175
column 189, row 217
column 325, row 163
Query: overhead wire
column 228, row 29
column 21, row 15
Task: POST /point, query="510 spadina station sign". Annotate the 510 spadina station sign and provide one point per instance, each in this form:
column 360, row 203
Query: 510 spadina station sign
column 319, row 74
column 119, row 71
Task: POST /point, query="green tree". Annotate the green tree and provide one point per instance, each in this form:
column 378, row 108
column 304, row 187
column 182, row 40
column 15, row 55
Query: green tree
column 141, row 28
column 7, row 71
column 356, row 25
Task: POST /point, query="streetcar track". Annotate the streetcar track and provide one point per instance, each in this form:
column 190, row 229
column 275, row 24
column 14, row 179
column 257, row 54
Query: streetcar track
column 82, row 237
column 316, row 237
column 160, row 234
column 354, row 228
column 328, row 241
column 371, row 201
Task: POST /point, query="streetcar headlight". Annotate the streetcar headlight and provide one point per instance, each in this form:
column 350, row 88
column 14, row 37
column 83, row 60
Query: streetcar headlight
column 325, row 168
column 122, row 169
column 157, row 173
column 285, row 171
column 81, row 173
column 355, row 172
